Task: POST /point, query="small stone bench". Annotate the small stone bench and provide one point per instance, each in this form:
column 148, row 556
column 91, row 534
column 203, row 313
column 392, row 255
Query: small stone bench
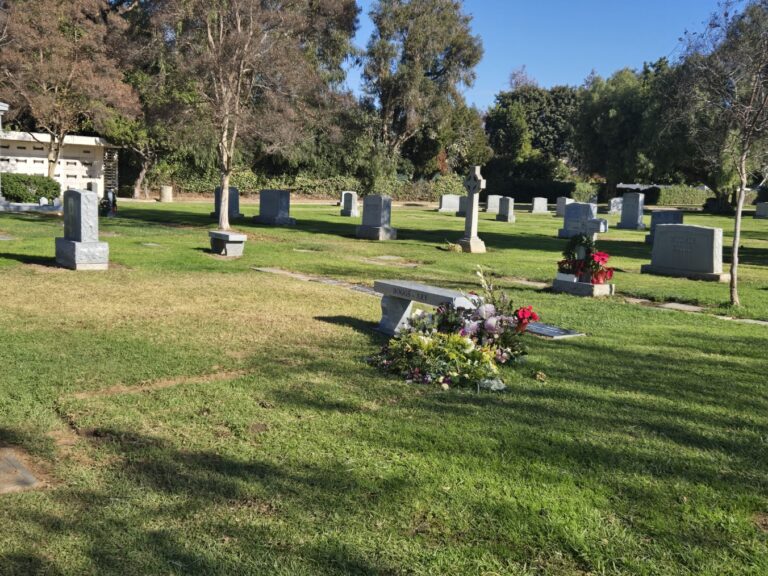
column 399, row 296
column 227, row 243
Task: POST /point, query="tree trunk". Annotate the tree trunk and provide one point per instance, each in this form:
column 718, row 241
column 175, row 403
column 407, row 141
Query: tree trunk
column 54, row 151
column 224, row 205
column 138, row 186
column 742, row 169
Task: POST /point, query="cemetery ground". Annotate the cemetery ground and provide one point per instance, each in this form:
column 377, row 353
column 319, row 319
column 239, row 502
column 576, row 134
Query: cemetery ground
column 192, row 415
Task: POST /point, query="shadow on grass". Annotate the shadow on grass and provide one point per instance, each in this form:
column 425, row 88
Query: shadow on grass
column 179, row 506
column 47, row 261
column 364, row 327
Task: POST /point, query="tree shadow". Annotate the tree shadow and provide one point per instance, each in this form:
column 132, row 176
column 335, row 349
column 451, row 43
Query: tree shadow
column 364, row 327
column 47, row 261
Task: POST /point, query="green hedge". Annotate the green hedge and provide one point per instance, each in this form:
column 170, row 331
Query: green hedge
column 677, row 195
column 26, row 188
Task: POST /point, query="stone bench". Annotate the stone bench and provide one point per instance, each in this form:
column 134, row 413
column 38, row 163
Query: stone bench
column 399, row 296
column 226, row 243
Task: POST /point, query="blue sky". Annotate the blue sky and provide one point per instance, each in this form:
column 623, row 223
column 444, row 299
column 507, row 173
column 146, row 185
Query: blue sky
column 561, row 41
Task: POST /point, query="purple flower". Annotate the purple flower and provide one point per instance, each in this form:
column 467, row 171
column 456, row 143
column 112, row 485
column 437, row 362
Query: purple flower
column 493, row 324
column 486, row 311
column 470, row 328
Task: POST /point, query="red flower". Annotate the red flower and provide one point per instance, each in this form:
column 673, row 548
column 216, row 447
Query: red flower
column 524, row 316
column 601, row 258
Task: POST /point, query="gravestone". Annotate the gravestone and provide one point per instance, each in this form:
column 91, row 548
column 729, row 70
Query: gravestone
column 349, row 206
column 43, row 201
column 663, row 217
column 687, row 251
column 562, row 202
column 234, row 203
column 449, row 203
column 377, row 216
column 632, row 211
column 615, row 205
column 506, row 210
column 581, row 218
column 462, row 211
column 492, row 204
column 166, row 194
column 539, row 206
column 761, row 210
column 275, row 208
column 474, row 183
column 80, row 248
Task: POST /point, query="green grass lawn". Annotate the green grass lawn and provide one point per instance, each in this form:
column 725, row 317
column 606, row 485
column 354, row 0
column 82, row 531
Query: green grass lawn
column 194, row 416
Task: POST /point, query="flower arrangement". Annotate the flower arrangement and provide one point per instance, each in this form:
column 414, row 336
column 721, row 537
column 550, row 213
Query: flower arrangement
column 582, row 259
column 457, row 346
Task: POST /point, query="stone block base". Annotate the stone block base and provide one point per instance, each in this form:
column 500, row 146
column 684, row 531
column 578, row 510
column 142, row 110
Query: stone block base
column 637, row 227
column 395, row 312
column 215, row 215
column 506, row 218
column 705, row 276
column 229, row 244
column 583, row 288
column 376, row 233
column 472, row 245
column 274, row 221
column 82, row 255
column 350, row 213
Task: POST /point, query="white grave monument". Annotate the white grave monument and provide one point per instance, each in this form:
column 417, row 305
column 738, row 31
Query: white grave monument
column 632, row 211
column 474, row 184
column 506, row 210
column 377, row 217
column 492, row 204
column 539, row 206
column 562, row 202
column 349, row 206
column 449, row 203
column 80, row 248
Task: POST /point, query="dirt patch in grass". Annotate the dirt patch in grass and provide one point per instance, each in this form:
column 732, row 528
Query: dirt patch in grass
column 258, row 428
column 21, row 472
column 158, row 385
column 761, row 521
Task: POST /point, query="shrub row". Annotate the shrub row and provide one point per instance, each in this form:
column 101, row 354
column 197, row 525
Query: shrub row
column 27, row 188
column 677, row 195
column 249, row 183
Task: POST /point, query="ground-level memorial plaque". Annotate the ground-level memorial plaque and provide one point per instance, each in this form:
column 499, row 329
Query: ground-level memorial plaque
column 14, row 476
column 549, row 331
column 686, row 251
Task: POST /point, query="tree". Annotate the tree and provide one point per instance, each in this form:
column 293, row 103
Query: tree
column 59, row 69
column 254, row 67
column 507, row 128
column 729, row 61
column 420, row 54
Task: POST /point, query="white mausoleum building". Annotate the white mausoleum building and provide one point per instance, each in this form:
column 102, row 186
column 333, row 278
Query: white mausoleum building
column 86, row 162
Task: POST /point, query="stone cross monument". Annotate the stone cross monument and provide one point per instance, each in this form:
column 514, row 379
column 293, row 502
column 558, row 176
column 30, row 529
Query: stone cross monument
column 474, row 184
